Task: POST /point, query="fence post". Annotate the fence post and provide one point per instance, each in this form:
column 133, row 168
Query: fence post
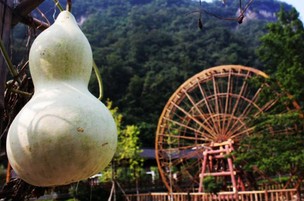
column 266, row 195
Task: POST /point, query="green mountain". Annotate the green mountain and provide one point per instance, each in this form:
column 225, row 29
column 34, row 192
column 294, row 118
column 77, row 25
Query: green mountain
column 145, row 49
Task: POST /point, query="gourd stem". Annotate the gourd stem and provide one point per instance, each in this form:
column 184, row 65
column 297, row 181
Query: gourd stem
column 58, row 5
column 69, row 5
column 8, row 62
column 99, row 79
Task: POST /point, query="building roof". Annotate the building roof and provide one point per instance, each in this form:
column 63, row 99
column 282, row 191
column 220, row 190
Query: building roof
column 148, row 153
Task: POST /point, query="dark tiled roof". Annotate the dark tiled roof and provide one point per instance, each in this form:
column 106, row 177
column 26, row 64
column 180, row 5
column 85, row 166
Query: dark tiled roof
column 148, row 153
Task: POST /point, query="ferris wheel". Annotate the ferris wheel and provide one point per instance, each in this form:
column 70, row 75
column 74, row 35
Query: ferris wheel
column 211, row 108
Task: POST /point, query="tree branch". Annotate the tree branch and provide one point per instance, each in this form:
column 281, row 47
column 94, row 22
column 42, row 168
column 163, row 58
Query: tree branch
column 23, row 9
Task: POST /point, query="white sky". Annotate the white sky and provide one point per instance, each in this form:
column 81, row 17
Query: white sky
column 298, row 4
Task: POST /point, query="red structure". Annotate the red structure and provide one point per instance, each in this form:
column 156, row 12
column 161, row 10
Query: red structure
column 202, row 125
column 218, row 162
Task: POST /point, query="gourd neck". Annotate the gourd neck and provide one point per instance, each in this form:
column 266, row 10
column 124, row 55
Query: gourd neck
column 61, row 56
column 70, row 85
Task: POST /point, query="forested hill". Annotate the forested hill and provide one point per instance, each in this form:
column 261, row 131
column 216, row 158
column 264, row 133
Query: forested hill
column 147, row 48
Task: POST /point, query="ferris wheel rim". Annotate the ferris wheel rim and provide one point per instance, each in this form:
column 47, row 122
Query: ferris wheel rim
column 203, row 75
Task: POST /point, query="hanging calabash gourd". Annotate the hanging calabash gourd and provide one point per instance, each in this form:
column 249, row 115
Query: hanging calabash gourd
column 63, row 134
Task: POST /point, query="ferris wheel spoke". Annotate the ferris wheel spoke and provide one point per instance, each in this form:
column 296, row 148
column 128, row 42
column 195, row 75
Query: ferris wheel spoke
column 217, row 111
column 174, row 162
column 243, row 132
column 211, row 98
column 184, row 167
column 253, row 103
column 199, row 111
column 203, row 135
column 183, row 137
column 240, row 94
column 246, row 111
column 191, row 165
column 244, row 84
column 183, row 147
column 249, row 107
column 194, row 119
column 267, row 106
column 227, row 103
column 237, row 126
column 206, row 102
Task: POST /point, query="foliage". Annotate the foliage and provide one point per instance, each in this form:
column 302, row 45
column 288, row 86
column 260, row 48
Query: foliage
column 276, row 147
column 273, row 154
column 129, row 150
column 127, row 156
column 146, row 49
column 2, row 175
column 211, row 185
column 83, row 191
column 282, row 50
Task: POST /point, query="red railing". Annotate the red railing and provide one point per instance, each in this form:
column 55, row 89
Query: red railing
column 264, row 195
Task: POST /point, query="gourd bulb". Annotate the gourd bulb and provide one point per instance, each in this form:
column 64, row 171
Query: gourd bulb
column 63, row 134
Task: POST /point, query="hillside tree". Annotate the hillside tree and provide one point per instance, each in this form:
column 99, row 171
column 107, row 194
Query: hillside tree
column 276, row 148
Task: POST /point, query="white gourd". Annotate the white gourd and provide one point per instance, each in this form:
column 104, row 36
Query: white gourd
column 63, row 134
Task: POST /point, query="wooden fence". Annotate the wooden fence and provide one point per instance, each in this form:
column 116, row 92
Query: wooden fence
column 265, row 195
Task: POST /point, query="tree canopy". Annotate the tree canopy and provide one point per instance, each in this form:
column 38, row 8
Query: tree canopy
column 277, row 146
column 147, row 49
column 282, row 51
